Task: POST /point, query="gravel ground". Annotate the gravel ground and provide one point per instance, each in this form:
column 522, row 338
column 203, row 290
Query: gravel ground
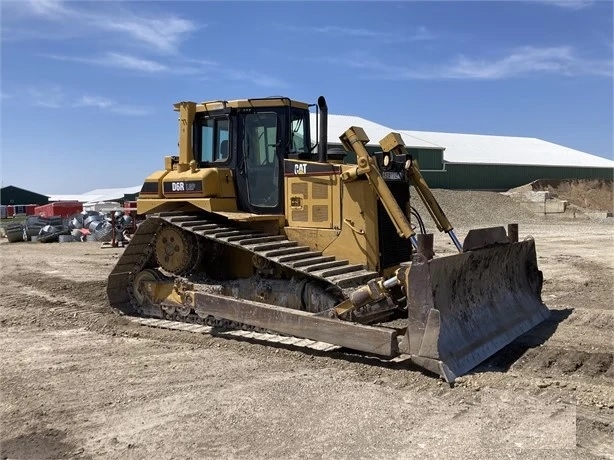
column 80, row 382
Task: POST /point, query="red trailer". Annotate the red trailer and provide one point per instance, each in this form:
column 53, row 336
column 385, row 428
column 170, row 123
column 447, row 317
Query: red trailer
column 60, row 208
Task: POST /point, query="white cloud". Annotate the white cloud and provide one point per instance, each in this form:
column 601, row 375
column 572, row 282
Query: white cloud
column 116, row 60
column 110, row 105
column 56, row 97
column 520, row 62
column 567, row 4
column 11, row 34
column 47, row 8
column 131, row 62
column 163, row 32
column 202, row 69
column 336, row 30
column 47, row 96
column 177, row 66
column 130, row 110
column 421, row 33
column 256, row 78
column 121, row 29
column 94, row 101
column 529, row 60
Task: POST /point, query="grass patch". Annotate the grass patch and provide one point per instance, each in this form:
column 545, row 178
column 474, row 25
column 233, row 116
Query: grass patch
column 13, row 220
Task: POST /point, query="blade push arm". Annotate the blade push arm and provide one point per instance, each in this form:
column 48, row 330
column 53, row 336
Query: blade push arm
column 393, row 144
column 354, row 140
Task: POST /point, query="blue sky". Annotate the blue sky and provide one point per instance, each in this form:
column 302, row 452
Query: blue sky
column 87, row 87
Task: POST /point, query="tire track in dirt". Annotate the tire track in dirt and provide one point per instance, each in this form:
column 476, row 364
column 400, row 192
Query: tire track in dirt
column 550, row 348
column 595, row 432
column 571, row 281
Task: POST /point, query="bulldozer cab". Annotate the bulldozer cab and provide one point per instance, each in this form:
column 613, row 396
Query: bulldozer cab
column 253, row 140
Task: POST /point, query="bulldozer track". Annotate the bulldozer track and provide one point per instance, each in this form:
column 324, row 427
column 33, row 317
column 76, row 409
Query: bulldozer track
column 275, row 249
column 251, row 335
column 209, row 330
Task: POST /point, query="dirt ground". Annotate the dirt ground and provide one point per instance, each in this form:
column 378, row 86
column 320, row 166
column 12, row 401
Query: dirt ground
column 79, row 382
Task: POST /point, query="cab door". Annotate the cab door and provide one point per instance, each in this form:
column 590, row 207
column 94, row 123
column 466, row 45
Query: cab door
column 259, row 178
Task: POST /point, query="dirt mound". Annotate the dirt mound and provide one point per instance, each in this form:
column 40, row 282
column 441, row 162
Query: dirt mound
column 590, row 194
column 90, row 293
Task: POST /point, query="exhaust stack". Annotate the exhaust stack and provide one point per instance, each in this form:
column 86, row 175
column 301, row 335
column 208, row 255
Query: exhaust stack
column 323, row 141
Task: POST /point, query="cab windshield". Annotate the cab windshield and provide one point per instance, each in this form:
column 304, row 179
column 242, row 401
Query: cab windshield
column 260, row 137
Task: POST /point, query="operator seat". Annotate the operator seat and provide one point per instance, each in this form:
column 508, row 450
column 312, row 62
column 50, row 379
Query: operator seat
column 223, row 150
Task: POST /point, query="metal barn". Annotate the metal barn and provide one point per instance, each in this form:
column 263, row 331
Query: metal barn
column 479, row 162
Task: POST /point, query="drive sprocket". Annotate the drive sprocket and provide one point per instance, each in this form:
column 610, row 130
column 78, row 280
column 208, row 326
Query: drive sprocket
column 175, row 250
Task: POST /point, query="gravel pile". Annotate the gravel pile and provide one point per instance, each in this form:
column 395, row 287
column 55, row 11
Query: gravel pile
column 470, row 209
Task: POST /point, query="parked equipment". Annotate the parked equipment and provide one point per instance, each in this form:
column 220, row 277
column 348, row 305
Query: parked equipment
column 251, row 226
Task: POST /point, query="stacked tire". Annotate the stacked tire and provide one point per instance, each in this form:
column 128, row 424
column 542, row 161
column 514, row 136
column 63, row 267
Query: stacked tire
column 14, row 233
column 84, row 226
column 52, row 233
column 34, row 225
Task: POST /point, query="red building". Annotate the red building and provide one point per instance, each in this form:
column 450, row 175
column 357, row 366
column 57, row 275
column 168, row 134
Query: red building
column 18, row 210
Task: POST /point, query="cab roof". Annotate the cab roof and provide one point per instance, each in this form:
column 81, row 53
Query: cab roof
column 210, row 106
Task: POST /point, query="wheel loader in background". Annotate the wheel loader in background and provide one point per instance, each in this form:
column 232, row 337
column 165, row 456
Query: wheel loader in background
column 252, row 226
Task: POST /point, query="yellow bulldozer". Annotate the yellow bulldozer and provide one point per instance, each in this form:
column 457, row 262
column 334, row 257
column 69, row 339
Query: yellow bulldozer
column 254, row 226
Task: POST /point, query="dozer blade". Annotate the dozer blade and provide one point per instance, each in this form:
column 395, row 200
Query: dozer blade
column 464, row 308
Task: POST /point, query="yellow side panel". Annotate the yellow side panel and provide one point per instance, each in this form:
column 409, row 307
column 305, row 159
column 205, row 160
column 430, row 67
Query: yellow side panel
column 145, row 206
column 207, row 182
column 354, row 234
column 309, row 201
column 152, row 187
column 358, row 241
column 318, row 239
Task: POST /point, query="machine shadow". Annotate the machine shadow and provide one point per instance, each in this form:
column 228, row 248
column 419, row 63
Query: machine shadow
column 338, row 354
column 500, row 362
column 505, row 358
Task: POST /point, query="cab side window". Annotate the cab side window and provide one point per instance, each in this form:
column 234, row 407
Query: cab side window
column 222, row 128
column 206, row 141
column 299, row 144
column 212, row 143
